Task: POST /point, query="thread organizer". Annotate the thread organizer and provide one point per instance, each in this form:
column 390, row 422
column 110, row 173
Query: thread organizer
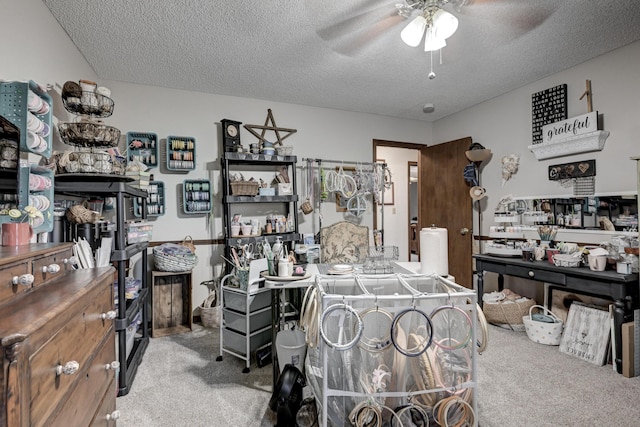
column 143, row 147
column 181, row 153
column 155, row 201
column 196, row 196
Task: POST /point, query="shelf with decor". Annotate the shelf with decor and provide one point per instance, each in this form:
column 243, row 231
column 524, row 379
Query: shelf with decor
column 95, row 143
column 196, row 196
column 181, row 153
column 25, row 129
column 129, row 354
column 249, row 196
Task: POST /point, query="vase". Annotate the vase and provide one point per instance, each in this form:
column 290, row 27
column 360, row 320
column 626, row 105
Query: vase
column 16, row 233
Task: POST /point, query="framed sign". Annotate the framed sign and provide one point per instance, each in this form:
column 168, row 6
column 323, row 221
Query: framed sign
column 547, row 106
column 572, row 170
column 587, row 332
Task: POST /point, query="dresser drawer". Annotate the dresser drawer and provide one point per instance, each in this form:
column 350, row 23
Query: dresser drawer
column 106, row 415
column 533, row 274
column 40, row 264
column 7, row 289
column 73, row 342
column 95, row 385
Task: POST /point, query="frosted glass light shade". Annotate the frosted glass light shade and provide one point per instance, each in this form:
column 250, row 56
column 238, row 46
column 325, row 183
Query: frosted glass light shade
column 444, row 24
column 432, row 42
column 412, row 33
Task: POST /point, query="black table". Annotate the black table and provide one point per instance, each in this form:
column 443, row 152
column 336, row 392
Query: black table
column 623, row 289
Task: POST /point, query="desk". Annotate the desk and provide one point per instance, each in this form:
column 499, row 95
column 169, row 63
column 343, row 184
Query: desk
column 621, row 288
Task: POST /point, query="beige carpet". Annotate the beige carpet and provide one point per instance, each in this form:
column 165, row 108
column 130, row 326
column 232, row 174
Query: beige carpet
column 520, row 384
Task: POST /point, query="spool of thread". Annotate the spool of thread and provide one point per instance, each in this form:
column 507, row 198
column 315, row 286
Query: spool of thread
column 434, row 251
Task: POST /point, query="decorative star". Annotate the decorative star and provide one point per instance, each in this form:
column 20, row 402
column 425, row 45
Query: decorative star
column 270, row 124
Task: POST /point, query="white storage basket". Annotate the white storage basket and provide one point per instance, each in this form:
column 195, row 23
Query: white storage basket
column 548, row 333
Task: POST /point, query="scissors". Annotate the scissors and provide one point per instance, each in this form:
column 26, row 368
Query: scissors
column 246, row 251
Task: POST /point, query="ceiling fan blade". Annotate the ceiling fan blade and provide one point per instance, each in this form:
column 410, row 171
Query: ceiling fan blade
column 360, row 27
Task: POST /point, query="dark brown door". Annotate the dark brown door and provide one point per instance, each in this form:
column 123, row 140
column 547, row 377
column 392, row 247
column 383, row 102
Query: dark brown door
column 445, row 203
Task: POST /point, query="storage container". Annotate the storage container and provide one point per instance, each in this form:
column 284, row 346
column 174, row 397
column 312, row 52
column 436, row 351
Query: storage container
column 237, row 300
column 139, row 232
column 238, row 321
column 238, row 342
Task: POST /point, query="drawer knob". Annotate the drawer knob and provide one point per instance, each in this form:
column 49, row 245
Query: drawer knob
column 109, row 315
column 113, row 365
column 69, row 368
column 72, row 261
column 23, row 279
column 113, row 416
column 531, row 274
column 51, row 268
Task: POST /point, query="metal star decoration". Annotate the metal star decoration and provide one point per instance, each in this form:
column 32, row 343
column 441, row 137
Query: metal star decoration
column 270, row 124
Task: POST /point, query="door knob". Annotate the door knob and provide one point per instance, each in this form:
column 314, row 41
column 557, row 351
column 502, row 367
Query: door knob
column 464, row 231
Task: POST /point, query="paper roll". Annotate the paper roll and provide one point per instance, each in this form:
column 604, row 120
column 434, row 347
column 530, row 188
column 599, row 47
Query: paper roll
column 434, row 251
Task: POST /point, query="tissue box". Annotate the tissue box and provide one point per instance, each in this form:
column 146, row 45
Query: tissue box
column 284, row 189
column 267, row 191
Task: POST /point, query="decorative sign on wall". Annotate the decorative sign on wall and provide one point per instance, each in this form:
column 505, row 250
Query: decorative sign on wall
column 572, row 170
column 574, row 126
column 547, row 106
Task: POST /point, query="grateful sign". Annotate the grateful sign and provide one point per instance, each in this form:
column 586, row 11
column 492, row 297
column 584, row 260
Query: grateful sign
column 564, row 129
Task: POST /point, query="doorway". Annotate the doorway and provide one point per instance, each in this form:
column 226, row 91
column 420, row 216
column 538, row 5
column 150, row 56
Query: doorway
column 413, row 199
column 444, row 202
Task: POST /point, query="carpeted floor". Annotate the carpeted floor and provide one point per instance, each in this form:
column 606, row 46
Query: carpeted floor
column 520, row 383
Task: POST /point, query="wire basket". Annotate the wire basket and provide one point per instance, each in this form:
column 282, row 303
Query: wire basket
column 171, row 261
column 379, row 259
column 91, row 162
column 244, row 188
column 89, row 134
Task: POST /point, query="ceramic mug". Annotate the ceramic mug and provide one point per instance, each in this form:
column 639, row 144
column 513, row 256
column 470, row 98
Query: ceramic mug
column 16, row 233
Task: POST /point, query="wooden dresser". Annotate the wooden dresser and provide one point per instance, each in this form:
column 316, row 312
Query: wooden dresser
column 57, row 340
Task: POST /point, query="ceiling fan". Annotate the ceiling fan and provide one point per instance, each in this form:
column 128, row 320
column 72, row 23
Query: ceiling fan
column 433, row 23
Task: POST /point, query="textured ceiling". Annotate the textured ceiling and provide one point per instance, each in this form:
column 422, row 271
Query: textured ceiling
column 344, row 54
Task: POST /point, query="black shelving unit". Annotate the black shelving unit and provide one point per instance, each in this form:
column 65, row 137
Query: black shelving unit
column 241, row 162
column 114, row 186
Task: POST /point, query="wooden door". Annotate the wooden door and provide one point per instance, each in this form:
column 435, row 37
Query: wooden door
column 445, row 203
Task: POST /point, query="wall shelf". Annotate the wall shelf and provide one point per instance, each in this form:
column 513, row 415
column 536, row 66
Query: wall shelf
column 592, row 141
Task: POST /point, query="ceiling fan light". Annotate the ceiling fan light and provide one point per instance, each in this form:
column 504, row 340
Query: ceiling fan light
column 444, row 24
column 413, row 32
column 432, row 42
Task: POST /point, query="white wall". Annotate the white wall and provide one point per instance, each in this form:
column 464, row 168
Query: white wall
column 48, row 56
column 503, row 124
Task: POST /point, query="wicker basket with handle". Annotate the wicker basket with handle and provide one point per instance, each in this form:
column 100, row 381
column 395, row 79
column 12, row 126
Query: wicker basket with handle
column 210, row 311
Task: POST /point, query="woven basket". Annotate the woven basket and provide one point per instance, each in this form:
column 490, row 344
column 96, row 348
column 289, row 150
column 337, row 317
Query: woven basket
column 78, row 214
column 173, row 263
column 244, row 188
column 210, row 312
column 548, row 333
column 507, row 313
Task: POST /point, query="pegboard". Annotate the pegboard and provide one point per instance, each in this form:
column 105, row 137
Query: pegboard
column 547, row 106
